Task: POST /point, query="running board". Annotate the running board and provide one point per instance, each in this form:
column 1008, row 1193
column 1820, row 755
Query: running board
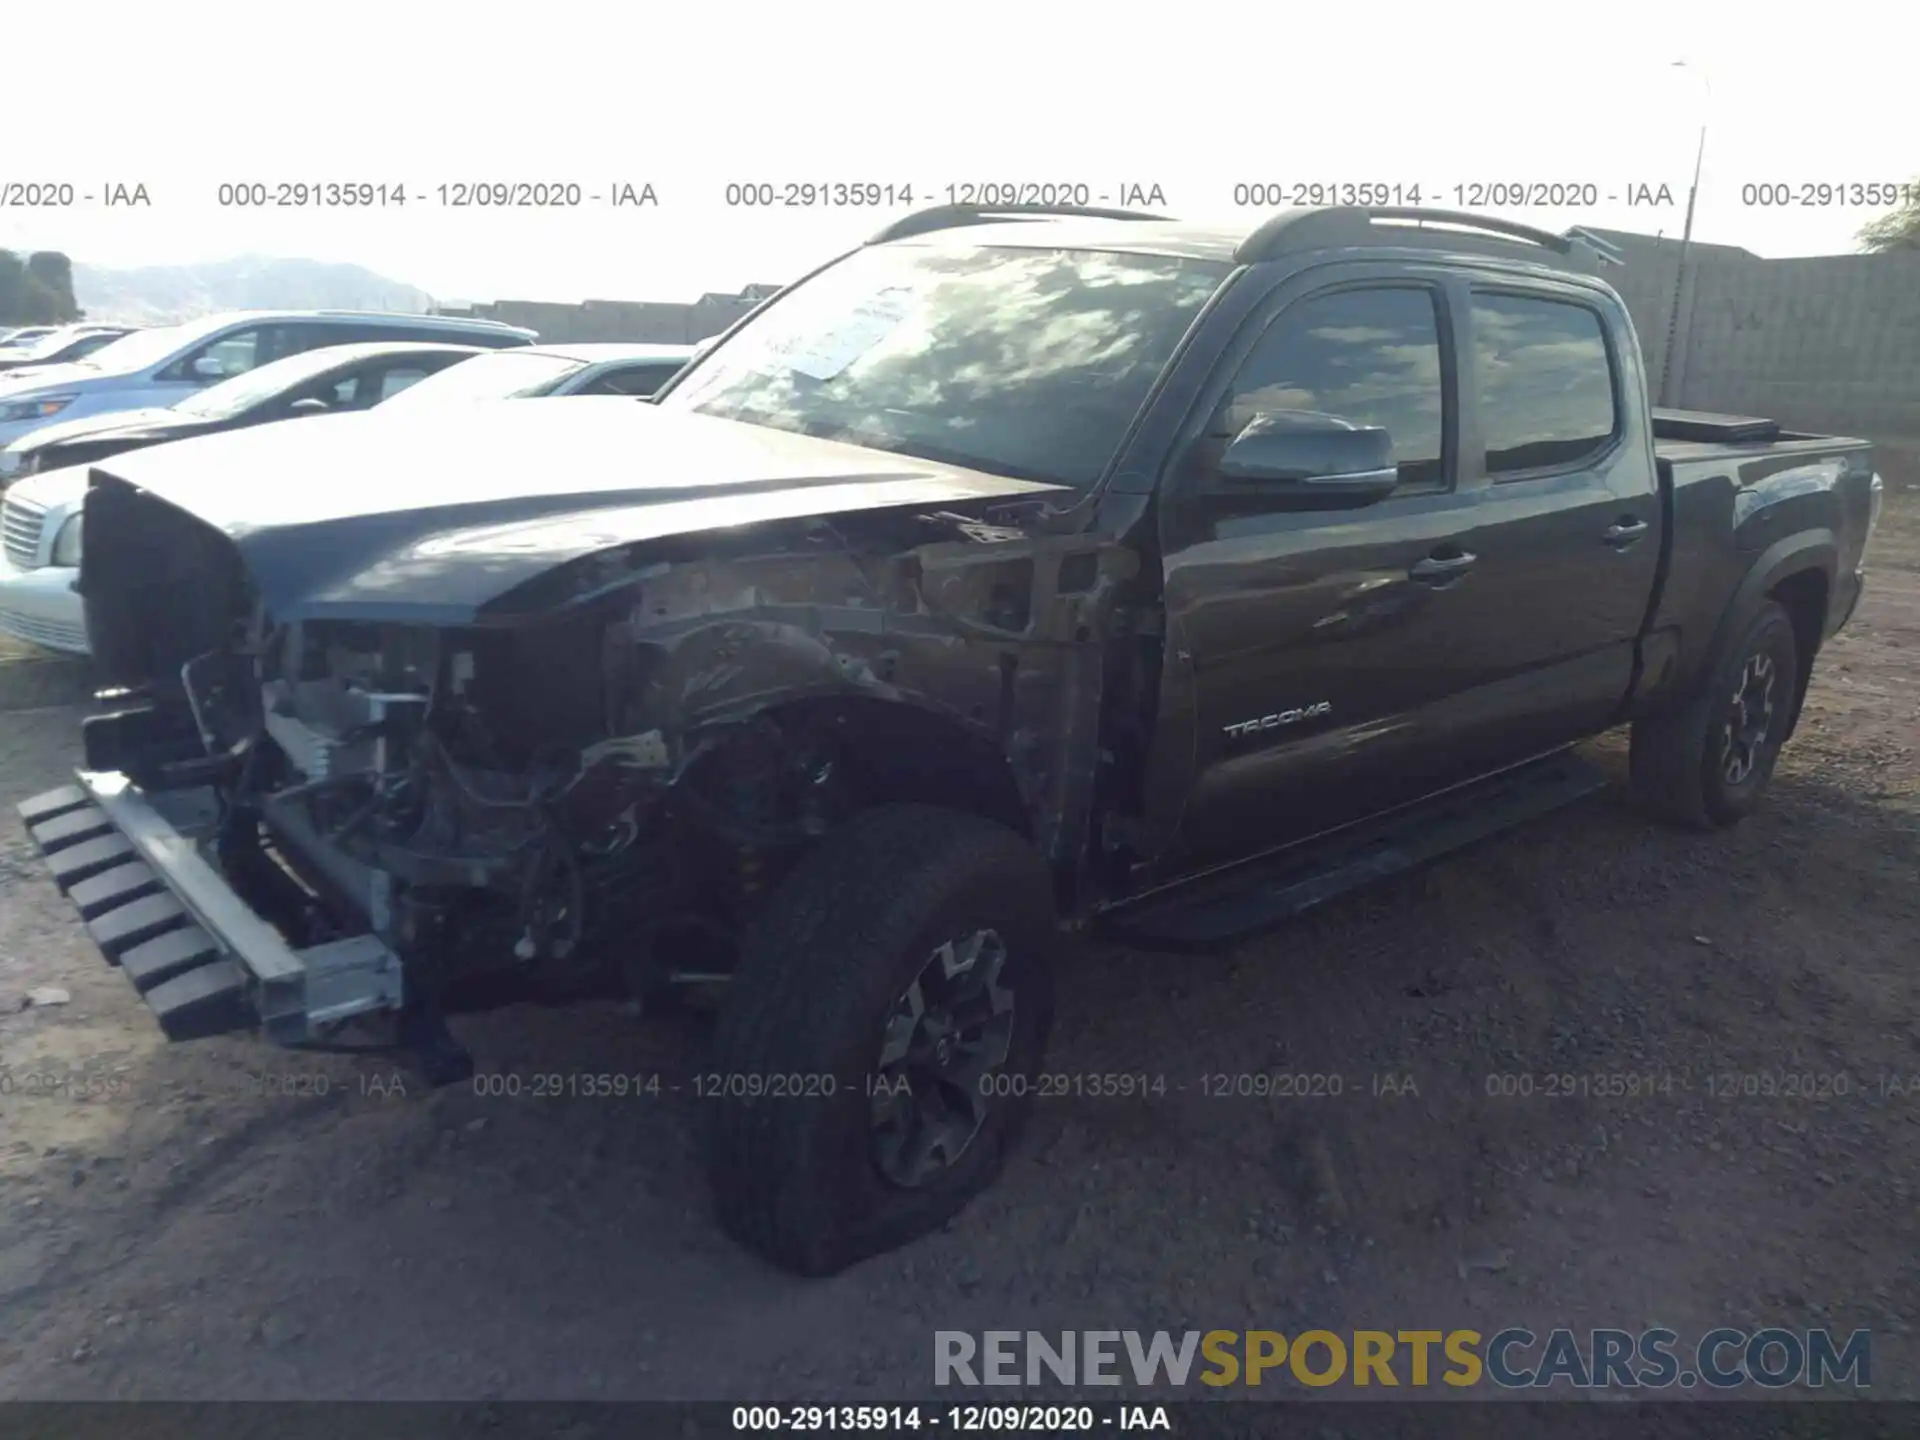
column 1220, row 910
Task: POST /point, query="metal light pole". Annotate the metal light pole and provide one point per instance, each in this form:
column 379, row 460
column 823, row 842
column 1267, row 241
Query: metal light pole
column 1686, row 240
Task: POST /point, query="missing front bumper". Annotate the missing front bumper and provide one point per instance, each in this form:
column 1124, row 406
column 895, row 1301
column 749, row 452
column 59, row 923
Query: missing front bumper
column 200, row 957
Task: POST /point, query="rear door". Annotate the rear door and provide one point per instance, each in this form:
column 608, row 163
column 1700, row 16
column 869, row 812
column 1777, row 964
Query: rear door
column 1558, row 449
column 1308, row 654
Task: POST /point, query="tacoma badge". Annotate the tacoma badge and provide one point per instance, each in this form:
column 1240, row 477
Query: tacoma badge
column 1285, row 717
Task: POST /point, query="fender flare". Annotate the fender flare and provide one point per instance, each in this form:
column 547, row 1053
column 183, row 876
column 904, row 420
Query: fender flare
column 1815, row 550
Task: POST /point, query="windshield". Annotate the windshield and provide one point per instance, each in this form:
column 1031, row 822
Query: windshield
column 230, row 397
column 140, row 349
column 1029, row 363
column 502, row 375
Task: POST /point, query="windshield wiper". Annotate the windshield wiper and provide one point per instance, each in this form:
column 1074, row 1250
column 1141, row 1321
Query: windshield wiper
column 939, row 455
column 892, row 445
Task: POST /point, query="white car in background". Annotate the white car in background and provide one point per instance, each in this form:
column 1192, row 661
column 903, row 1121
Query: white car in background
column 37, row 571
column 162, row 367
column 541, row 370
column 59, row 347
column 41, row 510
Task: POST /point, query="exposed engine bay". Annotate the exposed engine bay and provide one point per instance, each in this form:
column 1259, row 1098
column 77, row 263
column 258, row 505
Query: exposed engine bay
column 421, row 784
column 595, row 794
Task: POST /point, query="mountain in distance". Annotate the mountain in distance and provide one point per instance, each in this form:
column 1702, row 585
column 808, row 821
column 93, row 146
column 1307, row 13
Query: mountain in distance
column 164, row 294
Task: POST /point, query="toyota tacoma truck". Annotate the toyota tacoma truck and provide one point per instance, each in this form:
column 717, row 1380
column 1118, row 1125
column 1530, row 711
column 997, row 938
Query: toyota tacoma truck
column 1015, row 575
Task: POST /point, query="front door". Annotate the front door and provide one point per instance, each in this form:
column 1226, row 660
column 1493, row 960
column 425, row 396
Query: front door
column 1312, row 658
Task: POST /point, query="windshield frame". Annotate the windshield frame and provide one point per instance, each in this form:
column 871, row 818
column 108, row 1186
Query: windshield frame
column 687, row 392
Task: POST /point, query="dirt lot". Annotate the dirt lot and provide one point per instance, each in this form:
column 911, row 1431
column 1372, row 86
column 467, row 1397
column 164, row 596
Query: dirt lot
column 173, row 1223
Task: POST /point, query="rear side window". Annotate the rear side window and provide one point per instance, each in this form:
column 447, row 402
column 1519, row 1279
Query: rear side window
column 400, row 378
column 312, row 336
column 1369, row 356
column 639, row 380
column 1546, row 383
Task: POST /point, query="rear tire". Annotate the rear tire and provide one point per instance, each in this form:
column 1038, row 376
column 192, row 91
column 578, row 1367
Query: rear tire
column 905, row 901
column 1707, row 764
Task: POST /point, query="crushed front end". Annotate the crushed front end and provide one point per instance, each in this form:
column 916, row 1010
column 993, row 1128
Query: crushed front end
column 295, row 820
column 294, row 824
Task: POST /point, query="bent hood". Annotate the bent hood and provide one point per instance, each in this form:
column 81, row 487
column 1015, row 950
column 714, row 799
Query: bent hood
column 431, row 515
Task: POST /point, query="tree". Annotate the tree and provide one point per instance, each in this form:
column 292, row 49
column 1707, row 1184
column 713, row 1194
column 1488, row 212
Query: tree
column 38, row 290
column 1898, row 229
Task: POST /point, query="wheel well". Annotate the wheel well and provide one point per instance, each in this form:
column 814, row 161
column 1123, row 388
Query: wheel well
column 1803, row 595
column 900, row 754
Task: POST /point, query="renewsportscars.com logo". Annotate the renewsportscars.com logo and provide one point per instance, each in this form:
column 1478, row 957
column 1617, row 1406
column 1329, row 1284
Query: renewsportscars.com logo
column 1510, row 1359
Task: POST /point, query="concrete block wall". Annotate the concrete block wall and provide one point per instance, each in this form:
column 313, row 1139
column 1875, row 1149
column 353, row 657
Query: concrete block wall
column 1828, row 343
column 634, row 321
column 1835, row 337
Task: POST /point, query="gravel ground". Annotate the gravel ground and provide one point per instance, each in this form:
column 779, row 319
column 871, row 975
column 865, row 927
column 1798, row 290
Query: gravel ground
column 219, row 1220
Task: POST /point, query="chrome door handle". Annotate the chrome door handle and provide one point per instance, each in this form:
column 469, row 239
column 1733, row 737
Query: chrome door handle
column 1624, row 532
column 1442, row 567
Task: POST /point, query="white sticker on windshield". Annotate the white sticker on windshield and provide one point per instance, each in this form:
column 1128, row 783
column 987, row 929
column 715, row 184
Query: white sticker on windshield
column 821, row 357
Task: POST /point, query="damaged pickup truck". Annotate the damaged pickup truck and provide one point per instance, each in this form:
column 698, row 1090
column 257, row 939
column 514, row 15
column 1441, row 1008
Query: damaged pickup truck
column 1016, row 574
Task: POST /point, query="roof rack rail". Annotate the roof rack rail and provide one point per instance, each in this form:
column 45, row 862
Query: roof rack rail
column 949, row 217
column 467, row 321
column 1606, row 251
column 1334, row 226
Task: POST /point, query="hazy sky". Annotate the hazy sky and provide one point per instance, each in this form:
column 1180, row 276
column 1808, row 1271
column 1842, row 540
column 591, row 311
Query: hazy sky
column 1192, row 97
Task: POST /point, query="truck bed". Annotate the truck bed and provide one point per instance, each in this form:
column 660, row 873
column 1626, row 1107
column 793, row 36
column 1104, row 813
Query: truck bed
column 1683, row 436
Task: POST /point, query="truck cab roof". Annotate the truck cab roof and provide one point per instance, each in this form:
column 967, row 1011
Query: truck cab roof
column 1286, row 232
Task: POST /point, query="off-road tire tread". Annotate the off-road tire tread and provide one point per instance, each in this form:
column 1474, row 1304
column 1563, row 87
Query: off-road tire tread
column 845, row 908
column 1667, row 752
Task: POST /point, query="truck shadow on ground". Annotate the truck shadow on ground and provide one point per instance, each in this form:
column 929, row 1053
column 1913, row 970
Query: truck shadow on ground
column 1318, row 1128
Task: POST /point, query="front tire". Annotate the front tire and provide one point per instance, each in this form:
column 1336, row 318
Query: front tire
column 1707, row 764
column 895, row 1000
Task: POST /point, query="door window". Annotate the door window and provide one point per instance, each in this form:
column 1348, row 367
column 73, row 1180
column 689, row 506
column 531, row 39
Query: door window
column 1372, row 357
column 1546, row 383
column 633, row 380
column 399, row 378
column 344, row 392
column 232, row 354
column 367, row 386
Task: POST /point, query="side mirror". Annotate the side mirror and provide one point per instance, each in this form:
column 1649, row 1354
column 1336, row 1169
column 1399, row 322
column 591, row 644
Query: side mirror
column 1303, row 460
column 207, row 367
column 312, row 405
